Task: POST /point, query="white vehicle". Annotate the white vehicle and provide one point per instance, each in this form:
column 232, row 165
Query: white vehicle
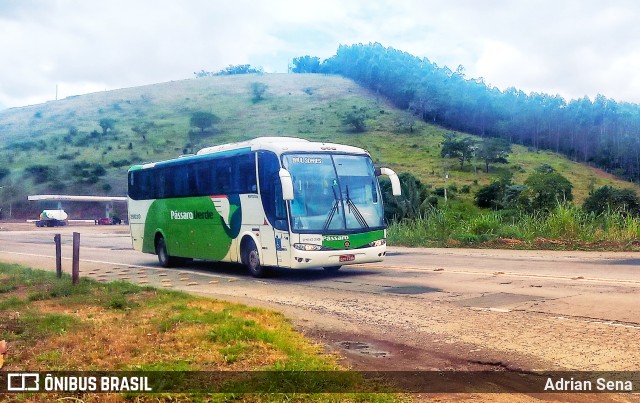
column 271, row 201
column 52, row 218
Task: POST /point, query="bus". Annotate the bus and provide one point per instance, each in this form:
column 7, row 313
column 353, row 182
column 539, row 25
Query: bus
column 268, row 202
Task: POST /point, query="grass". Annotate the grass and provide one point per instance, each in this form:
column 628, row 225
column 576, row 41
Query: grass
column 566, row 227
column 52, row 326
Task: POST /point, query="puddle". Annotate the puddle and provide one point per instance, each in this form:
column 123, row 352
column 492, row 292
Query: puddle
column 362, row 348
column 410, row 290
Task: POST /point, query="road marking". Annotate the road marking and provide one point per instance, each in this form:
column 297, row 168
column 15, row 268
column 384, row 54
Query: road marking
column 599, row 322
column 231, row 278
column 511, row 274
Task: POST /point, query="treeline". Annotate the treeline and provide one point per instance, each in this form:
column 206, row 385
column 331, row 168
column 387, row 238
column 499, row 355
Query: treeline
column 601, row 132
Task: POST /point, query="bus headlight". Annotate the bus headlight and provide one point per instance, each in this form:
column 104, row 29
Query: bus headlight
column 379, row 242
column 307, row 246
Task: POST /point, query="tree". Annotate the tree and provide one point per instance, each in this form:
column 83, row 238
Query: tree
column 143, row 129
column 602, row 132
column 306, row 64
column 495, row 194
column 41, row 173
column 545, row 189
column 4, row 172
column 258, row 90
column 203, row 120
column 356, row 118
column 490, row 196
column 239, row 69
column 460, row 148
column 107, row 124
column 494, row 150
column 608, row 198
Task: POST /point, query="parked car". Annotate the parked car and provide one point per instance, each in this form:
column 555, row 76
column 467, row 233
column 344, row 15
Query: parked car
column 108, row 221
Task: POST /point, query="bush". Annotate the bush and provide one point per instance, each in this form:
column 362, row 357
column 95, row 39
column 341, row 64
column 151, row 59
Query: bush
column 258, row 90
column 485, row 224
column 490, row 196
column 608, row 198
column 356, row 119
column 546, row 189
column 413, row 201
column 40, row 173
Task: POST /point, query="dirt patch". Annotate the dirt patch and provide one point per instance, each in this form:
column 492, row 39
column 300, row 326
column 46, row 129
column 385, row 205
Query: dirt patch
column 360, row 351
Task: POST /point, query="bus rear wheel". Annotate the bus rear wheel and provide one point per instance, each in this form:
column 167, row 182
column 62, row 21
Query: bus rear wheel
column 163, row 256
column 251, row 259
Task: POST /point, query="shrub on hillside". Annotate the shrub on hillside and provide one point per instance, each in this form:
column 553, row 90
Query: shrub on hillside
column 546, row 188
column 608, row 198
column 40, row 173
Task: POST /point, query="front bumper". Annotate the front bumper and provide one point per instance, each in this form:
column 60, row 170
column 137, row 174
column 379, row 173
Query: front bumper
column 313, row 259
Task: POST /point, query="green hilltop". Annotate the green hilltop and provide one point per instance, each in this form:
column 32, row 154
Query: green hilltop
column 61, row 147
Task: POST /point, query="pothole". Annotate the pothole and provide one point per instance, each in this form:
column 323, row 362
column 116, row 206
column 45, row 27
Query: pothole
column 362, row 348
column 411, row 290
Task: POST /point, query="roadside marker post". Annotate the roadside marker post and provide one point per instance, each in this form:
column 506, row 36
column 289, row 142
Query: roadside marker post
column 75, row 268
column 56, row 239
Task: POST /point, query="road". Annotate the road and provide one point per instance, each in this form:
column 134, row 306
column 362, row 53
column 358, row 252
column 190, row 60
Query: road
column 420, row 309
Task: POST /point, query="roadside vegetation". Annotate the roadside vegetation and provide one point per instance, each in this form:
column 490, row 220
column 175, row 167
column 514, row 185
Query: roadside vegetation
column 538, row 213
column 566, row 227
column 50, row 325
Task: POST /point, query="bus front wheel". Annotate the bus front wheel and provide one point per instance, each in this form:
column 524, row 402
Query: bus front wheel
column 251, row 259
column 163, row 256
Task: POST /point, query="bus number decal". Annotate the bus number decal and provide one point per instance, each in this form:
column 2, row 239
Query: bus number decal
column 306, row 160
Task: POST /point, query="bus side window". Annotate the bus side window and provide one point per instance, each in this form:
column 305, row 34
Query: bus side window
column 223, row 175
column 244, row 175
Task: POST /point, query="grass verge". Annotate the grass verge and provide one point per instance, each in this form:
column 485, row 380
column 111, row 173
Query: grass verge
column 567, row 227
column 50, row 325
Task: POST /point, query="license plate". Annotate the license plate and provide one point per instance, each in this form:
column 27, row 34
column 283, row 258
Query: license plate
column 347, row 258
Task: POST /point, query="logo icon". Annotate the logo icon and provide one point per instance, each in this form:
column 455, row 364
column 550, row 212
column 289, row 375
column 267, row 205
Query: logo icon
column 23, row 382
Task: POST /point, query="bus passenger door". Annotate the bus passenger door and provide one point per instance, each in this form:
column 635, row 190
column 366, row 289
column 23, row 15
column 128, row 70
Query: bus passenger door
column 274, row 232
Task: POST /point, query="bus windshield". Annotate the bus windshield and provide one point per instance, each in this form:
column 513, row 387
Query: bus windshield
column 334, row 193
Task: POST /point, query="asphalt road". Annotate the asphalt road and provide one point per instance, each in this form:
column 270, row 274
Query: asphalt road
column 421, row 309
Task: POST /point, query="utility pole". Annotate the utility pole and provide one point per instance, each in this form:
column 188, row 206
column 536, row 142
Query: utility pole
column 446, row 176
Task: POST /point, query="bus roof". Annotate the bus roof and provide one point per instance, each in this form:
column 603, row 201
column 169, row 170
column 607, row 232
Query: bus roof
column 282, row 144
column 278, row 145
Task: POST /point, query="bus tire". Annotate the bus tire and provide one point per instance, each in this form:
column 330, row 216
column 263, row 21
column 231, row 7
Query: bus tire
column 251, row 259
column 331, row 269
column 163, row 256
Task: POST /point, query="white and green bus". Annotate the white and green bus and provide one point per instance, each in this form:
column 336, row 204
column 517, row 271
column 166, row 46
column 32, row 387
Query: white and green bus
column 268, row 202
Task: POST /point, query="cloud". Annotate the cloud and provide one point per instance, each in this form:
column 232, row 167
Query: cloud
column 573, row 48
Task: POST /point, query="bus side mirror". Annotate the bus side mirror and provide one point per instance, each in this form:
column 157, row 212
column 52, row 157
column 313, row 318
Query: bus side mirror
column 287, row 184
column 395, row 182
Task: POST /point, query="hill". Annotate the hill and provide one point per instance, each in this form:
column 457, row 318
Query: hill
column 61, row 147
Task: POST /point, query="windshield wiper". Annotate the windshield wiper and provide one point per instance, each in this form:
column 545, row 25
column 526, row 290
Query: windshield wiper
column 356, row 213
column 334, row 209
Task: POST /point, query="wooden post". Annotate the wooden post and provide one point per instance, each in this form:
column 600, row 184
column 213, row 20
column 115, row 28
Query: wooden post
column 75, row 270
column 56, row 239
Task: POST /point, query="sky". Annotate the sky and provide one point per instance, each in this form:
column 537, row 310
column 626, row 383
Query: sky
column 571, row 48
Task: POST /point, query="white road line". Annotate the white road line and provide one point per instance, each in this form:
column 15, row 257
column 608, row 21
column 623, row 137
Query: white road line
column 121, row 264
column 506, row 274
